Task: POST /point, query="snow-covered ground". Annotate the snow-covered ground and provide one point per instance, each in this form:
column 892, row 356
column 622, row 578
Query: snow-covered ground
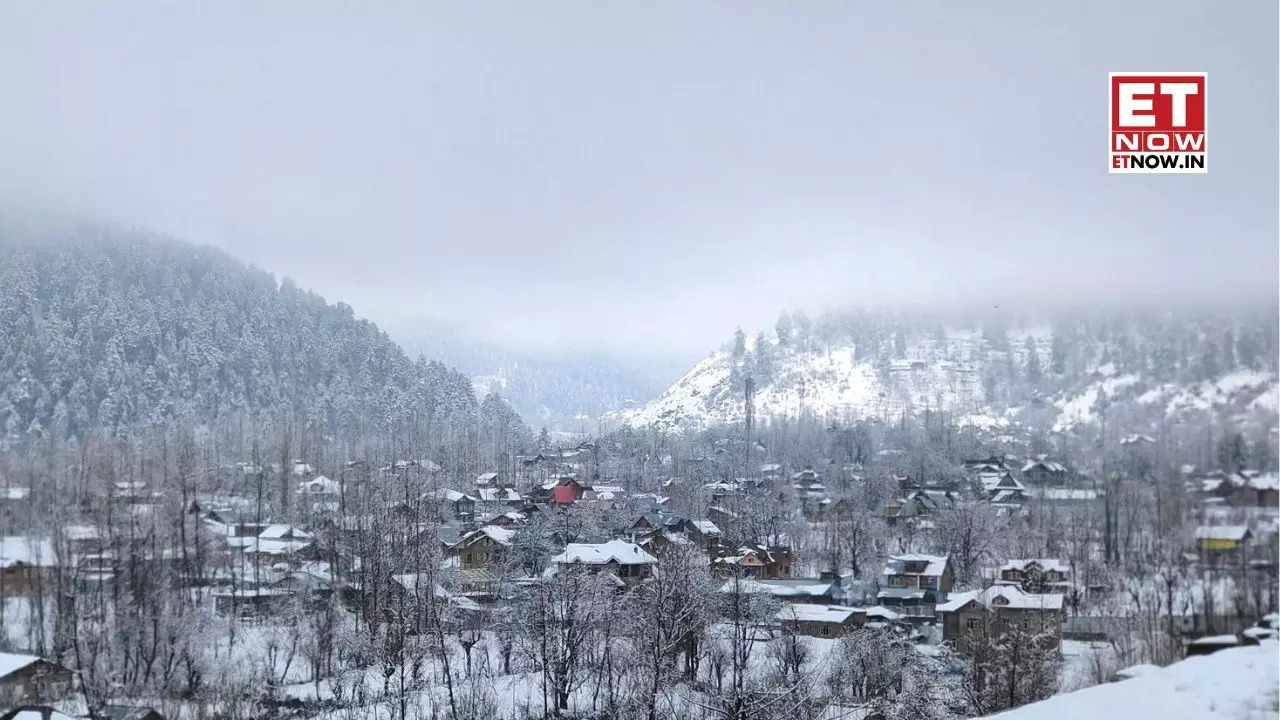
column 1239, row 684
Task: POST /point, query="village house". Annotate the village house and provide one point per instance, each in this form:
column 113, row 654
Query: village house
column 626, row 561
column 977, row 618
column 1223, row 544
column 914, row 584
column 25, row 564
column 485, row 547
column 758, row 561
column 1043, row 472
column 319, row 487
column 826, row 590
column 28, row 679
column 453, row 504
column 820, row 621
column 1004, row 489
column 563, row 490
column 993, row 464
column 1035, row 575
column 918, row 505
column 491, row 498
column 481, row 556
column 1246, row 488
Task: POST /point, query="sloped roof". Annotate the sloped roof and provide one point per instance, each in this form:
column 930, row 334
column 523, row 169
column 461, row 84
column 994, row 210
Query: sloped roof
column 1004, row 596
column 1222, row 532
column 706, row 527
column 1048, row 465
column 805, row 612
column 896, row 565
column 490, row 494
column 500, row 535
column 12, row 662
column 281, row 531
column 619, row 551
column 783, row 588
column 18, row 550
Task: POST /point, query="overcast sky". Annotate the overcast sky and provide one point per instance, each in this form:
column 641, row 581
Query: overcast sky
column 649, row 175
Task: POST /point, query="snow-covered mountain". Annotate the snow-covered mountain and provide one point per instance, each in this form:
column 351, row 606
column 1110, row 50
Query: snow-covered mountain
column 834, row 381
column 992, row 376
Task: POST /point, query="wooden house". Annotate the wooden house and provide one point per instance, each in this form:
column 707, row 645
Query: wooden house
column 820, row 621
column 28, row 679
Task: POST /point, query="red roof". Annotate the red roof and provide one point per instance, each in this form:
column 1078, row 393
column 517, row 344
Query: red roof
column 564, row 494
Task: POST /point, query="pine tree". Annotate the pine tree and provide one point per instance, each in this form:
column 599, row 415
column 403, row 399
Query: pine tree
column 1033, row 362
column 784, row 329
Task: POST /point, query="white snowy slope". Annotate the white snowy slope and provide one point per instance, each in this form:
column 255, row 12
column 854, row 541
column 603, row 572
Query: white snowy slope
column 1238, row 393
column 839, row 383
column 833, row 382
column 1238, row 684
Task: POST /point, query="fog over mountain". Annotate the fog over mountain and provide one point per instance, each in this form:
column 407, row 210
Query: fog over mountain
column 651, row 177
column 718, row 360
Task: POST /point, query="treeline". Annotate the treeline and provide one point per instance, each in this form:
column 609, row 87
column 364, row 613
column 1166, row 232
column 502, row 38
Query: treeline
column 1177, row 347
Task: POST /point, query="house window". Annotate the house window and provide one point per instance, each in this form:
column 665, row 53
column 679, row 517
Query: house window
column 971, row 623
column 1026, row 623
column 928, row 581
column 826, row 632
column 468, row 559
column 899, row 581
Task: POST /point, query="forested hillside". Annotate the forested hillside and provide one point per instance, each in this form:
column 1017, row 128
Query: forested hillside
column 1143, row 368
column 121, row 331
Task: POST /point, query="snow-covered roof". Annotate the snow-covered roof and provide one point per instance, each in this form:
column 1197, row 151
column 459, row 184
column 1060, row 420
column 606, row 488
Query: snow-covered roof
column 18, row 550
column 486, row 478
column 281, row 531
column 1222, row 532
column 11, row 662
column 320, row 485
column 491, row 494
column 1006, row 496
column 1047, row 564
column 1217, row 640
column 1047, row 465
column 618, row 551
column 781, row 588
column 14, row 493
column 804, row 612
column 1004, row 596
column 449, row 495
column 934, row 564
column 706, row 527
column 500, row 535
